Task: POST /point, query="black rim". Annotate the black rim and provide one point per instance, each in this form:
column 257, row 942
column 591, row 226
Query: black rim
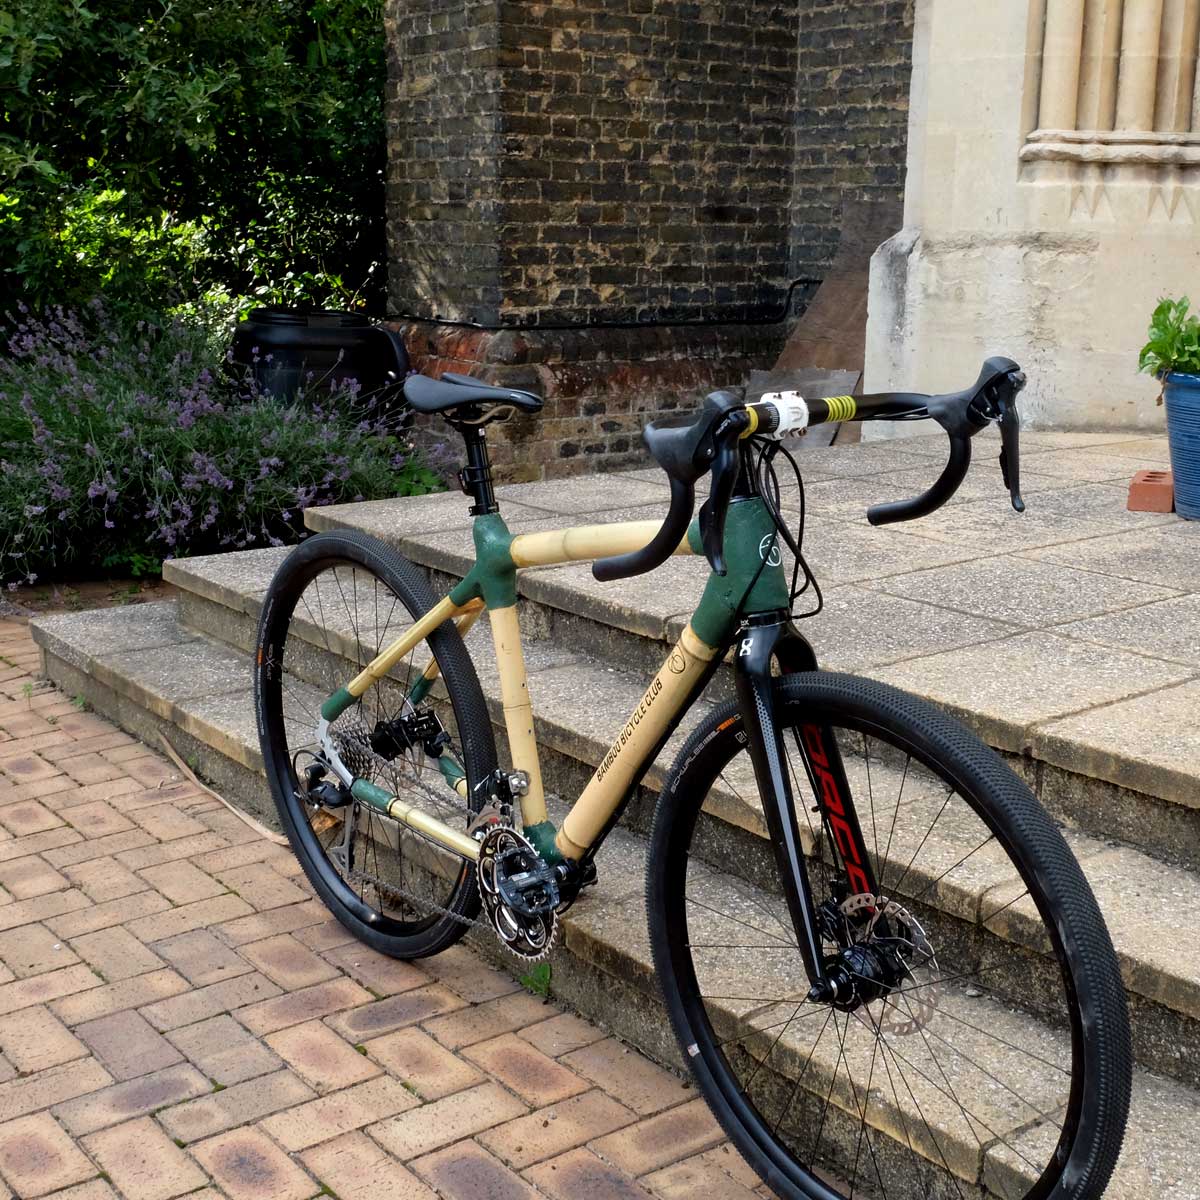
column 706, row 1047
column 376, row 616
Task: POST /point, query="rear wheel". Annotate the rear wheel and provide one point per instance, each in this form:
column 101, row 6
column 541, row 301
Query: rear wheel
column 337, row 601
column 959, row 1067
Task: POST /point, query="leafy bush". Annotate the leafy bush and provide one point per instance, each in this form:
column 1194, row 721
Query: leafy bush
column 1174, row 344
column 159, row 150
column 123, row 443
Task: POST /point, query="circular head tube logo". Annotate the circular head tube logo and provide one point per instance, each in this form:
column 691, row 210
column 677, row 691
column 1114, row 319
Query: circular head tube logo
column 769, row 546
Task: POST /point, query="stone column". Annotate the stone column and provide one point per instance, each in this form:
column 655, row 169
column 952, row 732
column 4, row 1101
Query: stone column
column 1061, row 53
column 1177, row 66
column 1138, row 86
column 1098, row 70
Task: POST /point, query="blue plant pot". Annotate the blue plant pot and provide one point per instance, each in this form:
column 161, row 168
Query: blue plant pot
column 1182, row 394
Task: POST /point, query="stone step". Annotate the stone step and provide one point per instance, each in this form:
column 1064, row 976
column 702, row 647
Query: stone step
column 1053, row 635
column 146, row 669
column 140, row 666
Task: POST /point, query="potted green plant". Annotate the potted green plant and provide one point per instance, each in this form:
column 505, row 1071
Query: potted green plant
column 1172, row 355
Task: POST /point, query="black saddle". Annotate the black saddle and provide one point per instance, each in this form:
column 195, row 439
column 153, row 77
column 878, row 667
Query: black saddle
column 463, row 397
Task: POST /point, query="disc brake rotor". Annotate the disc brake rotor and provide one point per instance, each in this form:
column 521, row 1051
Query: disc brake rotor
column 911, row 1004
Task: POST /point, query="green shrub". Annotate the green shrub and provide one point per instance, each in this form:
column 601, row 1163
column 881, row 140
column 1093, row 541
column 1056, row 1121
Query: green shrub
column 158, row 150
column 1174, row 344
column 124, row 443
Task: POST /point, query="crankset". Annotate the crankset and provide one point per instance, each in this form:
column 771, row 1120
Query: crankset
column 519, row 892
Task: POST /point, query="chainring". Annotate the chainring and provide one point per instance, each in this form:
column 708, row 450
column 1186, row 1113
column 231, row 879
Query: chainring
column 920, row 999
column 529, row 937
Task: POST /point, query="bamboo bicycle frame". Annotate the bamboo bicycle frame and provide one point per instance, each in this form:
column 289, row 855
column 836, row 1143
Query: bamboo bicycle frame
column 754, row 583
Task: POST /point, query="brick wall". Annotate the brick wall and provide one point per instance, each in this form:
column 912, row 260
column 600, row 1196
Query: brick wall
column 600, row 386
column 442, row 110
column 851, row 117
column 590, row 159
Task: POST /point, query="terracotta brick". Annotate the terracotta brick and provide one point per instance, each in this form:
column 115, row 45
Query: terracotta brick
column 128, row 1045
column 181, row 882
column 81, row 744
column 224, row 1051
column 657, row 1141
column 109, row 789
column 354, row 1168
column 325, row 935
column 551, row 1131
column 89, row 848
column 26, row 768
column 149, row 853
column 642, row 1086
column 580, row 1175
column 261, row 887
column 484, row 1021
column 308, row 1003
column 164, row 821
column 261, row 925
column 537, row 1079
column 320, row 1057
column 407, row 1008
column 90, row 768
column 111, row 912
column 209, row 1001
column 104, row 879
column 135, row 1098
column 27, row 817
column 238, row 1105
column 35, row 1039
column 43, row 988
column 246, row 1165
column 201, row 958
column 30, row 876
column 94, row 1189
column 423, row 1064
column 37, row 843
column 113, row 997
column 700, row 1175
column 187, row 917
column 97, row 820
column 227, row 857
column 33, row 949
column 49, row 1087
column 382, row 975
column 431, row 1126
column 1152, row 491
column 561, row 1034
column 463, row 972
column 289, row 963
column 143, row 1162
column 339, row 1113
column 36, row 1157
column 466, row 1169
column 116, row 953
column 38, row 908
column 233, row 829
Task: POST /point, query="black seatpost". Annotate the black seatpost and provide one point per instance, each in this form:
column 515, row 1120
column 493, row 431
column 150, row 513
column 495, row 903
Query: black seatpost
column 476, row 477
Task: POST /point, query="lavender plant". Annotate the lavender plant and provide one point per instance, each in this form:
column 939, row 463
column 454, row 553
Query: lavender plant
column 123, row 443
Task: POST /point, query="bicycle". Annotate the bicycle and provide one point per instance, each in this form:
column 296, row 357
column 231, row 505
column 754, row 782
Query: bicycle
column 905, row 988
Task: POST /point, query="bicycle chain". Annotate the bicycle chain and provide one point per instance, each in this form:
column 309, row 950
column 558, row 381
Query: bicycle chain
column 354, row 741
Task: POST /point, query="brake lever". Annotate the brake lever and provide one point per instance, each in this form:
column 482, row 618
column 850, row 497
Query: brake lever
column 1010, row 450
column 712, row 511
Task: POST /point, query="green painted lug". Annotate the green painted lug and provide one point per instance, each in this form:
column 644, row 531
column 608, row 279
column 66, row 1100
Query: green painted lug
column 451, row 771
column 541, row 837
column 336, row 704
column 420, row 690
column 493, row 578
column 748, row 532
column 368, row 793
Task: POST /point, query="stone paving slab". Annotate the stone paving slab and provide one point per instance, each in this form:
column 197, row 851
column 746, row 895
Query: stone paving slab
column 1016, row 621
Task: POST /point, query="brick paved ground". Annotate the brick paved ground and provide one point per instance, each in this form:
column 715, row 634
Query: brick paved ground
column 179, row 1015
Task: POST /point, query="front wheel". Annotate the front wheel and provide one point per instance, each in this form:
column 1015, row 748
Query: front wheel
column 984, row 1050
